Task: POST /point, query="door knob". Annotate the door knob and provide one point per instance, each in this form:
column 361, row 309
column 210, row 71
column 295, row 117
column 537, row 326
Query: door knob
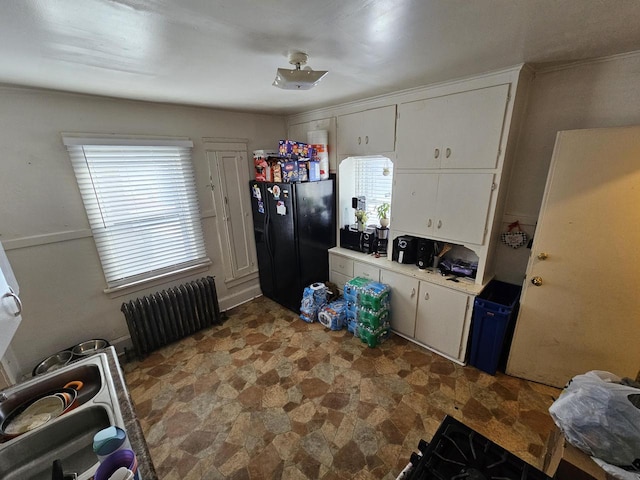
column 543, row 256
column 537, row 281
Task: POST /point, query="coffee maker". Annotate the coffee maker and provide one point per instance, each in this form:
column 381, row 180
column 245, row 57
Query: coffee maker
column 382, row 241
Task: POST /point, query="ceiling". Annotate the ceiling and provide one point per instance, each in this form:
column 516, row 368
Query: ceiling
column 225, row 53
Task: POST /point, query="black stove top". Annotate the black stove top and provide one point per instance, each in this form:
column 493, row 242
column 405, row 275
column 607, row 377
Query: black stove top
column 457, row 452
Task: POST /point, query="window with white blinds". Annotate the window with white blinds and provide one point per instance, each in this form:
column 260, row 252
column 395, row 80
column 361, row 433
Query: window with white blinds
column 141, row 202
column 374, row 181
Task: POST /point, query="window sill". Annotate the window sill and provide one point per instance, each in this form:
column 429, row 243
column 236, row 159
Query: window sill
column 126, row 289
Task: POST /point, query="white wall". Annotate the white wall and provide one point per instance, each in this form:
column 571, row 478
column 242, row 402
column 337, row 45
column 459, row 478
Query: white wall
column 603, row 93
column 41, row 210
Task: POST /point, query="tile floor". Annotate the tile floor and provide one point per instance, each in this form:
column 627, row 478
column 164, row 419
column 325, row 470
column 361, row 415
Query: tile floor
column 266, row 395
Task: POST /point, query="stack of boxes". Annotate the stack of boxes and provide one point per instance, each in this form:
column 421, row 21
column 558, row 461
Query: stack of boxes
column 293, row 162
column 367, row 313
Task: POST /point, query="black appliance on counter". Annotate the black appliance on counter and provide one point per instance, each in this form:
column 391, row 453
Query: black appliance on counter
column 294, row 227
column 426, row 252
column 359, row 241
column 405, row 249
column 458, row 452
column 382, row 241
column 368, row 244
column 351, row 239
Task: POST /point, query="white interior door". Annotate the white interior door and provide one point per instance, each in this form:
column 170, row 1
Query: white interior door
column 585, row 315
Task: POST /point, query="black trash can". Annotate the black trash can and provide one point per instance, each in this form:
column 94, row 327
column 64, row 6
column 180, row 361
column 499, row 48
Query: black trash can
column 494, row 313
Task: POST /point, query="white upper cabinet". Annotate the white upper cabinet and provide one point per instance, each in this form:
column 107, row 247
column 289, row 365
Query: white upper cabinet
column 461, row 130
column 448, row 206
column 367, row 133
column 414, row 203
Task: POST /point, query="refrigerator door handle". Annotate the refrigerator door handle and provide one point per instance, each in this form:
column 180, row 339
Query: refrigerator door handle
column 268, row 232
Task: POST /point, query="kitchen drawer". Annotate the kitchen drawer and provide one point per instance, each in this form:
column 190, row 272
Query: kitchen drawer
column 367, row 271
column 341, row 265
column 339, row 279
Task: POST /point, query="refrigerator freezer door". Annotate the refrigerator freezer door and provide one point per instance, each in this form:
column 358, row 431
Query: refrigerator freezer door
column 260, row 217
column 282, row 244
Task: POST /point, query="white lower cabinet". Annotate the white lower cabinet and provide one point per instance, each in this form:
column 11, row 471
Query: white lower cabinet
column 404, row 294
column 432, row 315
column 340, row 270
column 367, row 271
column 442, row 319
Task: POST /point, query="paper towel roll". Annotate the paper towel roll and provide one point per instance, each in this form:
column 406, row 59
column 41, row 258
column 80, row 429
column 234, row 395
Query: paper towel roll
column 319, row 139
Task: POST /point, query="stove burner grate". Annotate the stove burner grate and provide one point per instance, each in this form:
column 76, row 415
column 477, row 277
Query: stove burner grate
column 457, row 452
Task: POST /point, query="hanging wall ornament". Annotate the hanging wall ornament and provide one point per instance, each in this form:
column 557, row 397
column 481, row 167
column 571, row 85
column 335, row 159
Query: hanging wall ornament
column 514, row 237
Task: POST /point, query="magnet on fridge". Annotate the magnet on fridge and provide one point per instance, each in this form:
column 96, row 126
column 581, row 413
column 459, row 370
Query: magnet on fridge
column 281, row 208
column 276, row 192
column 285, row 193
column 256, row 192
column 260, row 206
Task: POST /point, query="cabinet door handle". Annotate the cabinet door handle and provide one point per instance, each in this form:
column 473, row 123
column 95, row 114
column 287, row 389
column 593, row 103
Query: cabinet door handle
column 359, row 140
column 17, row 300
column 447, row 152
column 429, row 223
column 366, row 139
column 426, row 295
column 436, row 153
column 439, row 223
column 413, row 292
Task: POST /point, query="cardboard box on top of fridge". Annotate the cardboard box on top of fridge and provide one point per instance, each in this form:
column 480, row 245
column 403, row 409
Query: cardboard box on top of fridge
column 292, row 149
column 314, row 171
column 276, row 170
column 290, row 171
column 303, row 172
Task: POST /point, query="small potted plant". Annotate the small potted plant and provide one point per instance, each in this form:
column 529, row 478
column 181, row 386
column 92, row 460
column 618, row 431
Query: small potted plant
column 361, row 219
column 383, row 214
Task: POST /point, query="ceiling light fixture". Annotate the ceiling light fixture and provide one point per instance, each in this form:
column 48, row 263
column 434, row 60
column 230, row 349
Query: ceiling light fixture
column 298, row 79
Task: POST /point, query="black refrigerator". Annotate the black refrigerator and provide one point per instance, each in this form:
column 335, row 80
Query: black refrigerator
column 294, row 226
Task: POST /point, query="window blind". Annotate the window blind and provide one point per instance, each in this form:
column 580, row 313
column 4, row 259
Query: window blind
column 373, row 184
column 141, row 204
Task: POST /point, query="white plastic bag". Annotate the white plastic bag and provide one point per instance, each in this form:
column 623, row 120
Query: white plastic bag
column 596, row 414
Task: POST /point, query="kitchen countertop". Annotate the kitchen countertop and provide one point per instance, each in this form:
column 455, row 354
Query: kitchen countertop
column 428, row 275
column 132, row 426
